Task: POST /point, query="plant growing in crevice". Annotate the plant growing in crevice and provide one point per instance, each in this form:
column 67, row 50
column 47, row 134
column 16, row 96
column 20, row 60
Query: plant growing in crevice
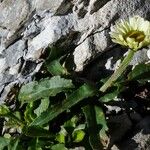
column 46, row 119
column 134, row 34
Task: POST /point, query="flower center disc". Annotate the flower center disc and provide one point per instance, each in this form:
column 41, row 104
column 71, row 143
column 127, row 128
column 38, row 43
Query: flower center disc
column 139, row 36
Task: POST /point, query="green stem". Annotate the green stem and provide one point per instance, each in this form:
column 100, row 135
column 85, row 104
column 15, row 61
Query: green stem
column 118, row 72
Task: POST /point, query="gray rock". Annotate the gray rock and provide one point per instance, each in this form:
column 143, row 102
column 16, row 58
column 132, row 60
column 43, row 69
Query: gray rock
column 136, row 117
column 118, row 125
column 59, row 7
column 99, row 23
column 14, row 52
column 13, row 14
column 140, row 139
column 53, row 29
column 140, row 57
column 27, row 28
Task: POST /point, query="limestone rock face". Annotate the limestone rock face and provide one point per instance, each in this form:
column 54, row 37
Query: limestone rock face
column 28, row 27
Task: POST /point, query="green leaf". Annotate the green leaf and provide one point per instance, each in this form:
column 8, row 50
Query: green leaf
column 141, row 71
column 13, row 144
column 60, row 138
column 4, row 142
column 94, row 139
column 83, row 92
column 35, row 131
column 78, row 135
column 45, row 88
column 34, row 148
column 80, row 127
column 42, row 107
column 4, row 111
column 55, row 68
column 34, row 144
column 71, row 123
column 29, row 115
column 53, row 62
column 101, row 121
column 54, row 54
column 58, row 147
column 109, row 96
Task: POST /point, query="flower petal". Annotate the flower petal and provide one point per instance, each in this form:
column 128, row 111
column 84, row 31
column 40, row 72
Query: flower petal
column 134, row 33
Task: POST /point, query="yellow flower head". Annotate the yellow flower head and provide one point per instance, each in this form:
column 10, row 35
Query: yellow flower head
column 134, row 33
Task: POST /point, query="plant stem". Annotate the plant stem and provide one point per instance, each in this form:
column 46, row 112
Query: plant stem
column 118, row 72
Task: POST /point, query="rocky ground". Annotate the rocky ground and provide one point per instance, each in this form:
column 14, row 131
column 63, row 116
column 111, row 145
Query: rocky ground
column 28, row 27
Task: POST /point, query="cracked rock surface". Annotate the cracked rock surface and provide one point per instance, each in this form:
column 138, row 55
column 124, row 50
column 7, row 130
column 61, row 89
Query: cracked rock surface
column 28, row 27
